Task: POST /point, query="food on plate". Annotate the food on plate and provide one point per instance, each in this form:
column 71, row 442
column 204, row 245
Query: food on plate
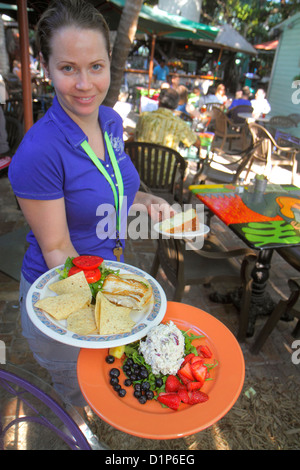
column 76, row 283
column 61, row 306
column 82, row 322
column 128, row 290
column 170, row 390
column 88, row 262
column 181, row 222
column 117, row 351
column 163, row 348
column 110, row 318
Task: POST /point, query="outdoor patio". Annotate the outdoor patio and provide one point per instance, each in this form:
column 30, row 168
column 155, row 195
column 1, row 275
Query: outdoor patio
column 266, row 415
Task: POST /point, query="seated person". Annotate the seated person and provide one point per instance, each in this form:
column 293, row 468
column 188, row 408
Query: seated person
column 221, row 93
column 163, row 126
column 175, row 81
column 260, row 104
column 210, row 97
column 243, row 98
column 184, row 106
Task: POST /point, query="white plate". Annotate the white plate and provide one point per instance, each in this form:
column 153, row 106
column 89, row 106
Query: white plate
column 145, row 319
column 203, row 230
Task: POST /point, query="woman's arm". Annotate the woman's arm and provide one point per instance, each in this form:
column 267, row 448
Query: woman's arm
column 157, row 207
column 47, row 220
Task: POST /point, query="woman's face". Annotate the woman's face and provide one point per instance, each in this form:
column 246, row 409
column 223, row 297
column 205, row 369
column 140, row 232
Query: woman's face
column 79, row 67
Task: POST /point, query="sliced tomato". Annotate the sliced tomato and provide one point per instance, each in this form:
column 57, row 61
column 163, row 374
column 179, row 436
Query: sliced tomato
column 92, row 275
column 74, row 270
column 87, row 261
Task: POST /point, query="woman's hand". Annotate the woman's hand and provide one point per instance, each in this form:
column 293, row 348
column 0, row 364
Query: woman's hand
column 157, row 207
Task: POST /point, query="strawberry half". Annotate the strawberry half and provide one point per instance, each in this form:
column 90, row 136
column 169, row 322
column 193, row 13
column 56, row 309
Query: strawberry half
column 170, row 399
column 197, row 397
column 199, row 371
column 183, row 395
column 186, row 371
column 194, row 386
column 173, row 384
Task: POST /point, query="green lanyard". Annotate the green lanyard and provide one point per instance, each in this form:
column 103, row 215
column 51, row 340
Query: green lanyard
column 118, row 195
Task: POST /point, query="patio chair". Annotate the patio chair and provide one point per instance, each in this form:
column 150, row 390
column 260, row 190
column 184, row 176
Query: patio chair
column 224, row 167
column 271, row 153
column 226, row 129
column 15, row 134
column 161, row 168
column 287, row 309
column 185, row 267
column 233, row 113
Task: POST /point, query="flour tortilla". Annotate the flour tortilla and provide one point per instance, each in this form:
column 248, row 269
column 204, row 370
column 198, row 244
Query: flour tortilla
column 73, row 284
column 82, row 322
column 61, row 306
column 110, row 318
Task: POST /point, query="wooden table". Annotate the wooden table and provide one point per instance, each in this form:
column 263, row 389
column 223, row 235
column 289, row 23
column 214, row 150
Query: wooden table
column 264, row 221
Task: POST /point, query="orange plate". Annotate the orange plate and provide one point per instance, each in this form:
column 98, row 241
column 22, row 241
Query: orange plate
column 151, row 420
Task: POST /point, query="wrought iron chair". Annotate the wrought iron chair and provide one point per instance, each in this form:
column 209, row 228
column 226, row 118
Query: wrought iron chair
column 160, row 168
column 227, row 130
column 15, row 133
column 295, row 117
column 186, row 267
column 270, row 152
column 216, row 169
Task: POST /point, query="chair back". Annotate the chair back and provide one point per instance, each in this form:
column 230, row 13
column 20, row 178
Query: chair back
column 234, row 113
column 14, row 107
column 220, row 122
column 159, row 167
column 295, row 117
column 15, row 133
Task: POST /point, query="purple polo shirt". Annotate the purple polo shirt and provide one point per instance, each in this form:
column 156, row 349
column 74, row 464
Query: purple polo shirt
column 50, row 164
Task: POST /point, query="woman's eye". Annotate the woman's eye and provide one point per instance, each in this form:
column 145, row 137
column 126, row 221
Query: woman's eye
column 68, row 68
column 96, row 67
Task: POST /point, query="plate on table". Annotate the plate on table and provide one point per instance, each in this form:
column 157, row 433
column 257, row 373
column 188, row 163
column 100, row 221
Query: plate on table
column 151, row 420
column 145, row 319
column 203, row 230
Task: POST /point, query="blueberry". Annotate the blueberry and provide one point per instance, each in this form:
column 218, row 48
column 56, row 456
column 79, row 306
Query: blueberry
column 110, row 359
column 145, row 386
column 122, row 392
column 158, row 382
column 142, row 400
column 127, row 382
column 149, row 395
column 114, row 381
column 117, row 387
column 137, row 394
column 114, row 372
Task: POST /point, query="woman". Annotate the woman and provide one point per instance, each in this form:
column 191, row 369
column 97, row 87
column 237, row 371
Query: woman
column 60, row 190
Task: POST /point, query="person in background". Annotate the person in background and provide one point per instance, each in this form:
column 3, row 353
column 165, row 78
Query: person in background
column 260, row 104
column 61, row 185
column 242, row 99
column 161, row 72
column 221, row 93
column 175, row 81
column 184, row 106
column 163, row 126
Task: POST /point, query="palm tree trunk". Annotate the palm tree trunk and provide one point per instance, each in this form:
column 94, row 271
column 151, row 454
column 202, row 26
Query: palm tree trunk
column 125, row 36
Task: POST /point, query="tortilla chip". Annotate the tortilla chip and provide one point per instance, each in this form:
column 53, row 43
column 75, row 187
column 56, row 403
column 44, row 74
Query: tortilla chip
column 110, row 318
column 76, row 283
column 61, row 306
column 82, row 321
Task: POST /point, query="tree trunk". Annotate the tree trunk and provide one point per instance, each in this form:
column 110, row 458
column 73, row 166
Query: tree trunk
column 125, row 36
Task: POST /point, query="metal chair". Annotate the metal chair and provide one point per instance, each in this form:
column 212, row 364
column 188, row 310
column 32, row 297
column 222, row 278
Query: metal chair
column 285, row 309
column 186, row 267
column 218, row 170
column 270, row 152
column 295, row 117
column 226, row 129
column 160, row 168
column 15, row 133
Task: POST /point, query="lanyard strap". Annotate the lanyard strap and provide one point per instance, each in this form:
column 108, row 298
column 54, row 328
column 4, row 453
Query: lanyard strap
column 118, row 195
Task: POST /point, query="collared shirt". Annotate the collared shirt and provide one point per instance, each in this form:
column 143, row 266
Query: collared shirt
column 51, row 164
column 162, row 127
column 161, row 73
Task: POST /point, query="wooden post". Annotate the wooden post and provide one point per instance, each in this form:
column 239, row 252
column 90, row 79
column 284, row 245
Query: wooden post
column 25, row 63
column 151, row 62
